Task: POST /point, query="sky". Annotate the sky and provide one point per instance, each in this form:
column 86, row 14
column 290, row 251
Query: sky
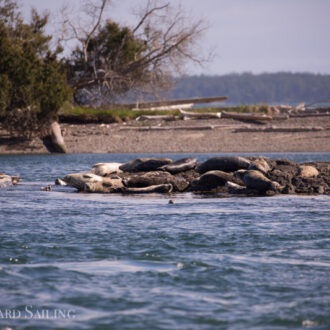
column 245, row 35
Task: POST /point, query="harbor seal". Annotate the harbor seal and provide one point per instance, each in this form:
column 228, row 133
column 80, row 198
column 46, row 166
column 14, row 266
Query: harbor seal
column 79, row 180
column 256, row 180
column 145, row 164
column 153, row 178
column 107, row 185
column 225, row 164
column 106, row 169
column 162, row 188
column 211, row 180
column 260, row 165
column 180, row 165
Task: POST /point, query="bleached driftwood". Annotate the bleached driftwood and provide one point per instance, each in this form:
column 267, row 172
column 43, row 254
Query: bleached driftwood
column 281, row 129
column 196, row 115
column 178, row 128
column 166, row 128
column 246, row 116
column 160, row 117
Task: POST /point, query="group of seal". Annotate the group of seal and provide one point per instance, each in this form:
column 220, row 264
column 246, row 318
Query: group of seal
column 251, row 176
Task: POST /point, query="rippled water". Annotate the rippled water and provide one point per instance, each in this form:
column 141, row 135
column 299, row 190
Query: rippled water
column 96, row 261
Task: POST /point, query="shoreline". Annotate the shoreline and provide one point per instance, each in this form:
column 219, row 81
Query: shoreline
column 190, row 136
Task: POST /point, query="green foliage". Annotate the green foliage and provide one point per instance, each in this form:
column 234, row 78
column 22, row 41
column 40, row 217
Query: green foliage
column 110, row 50
column 33, row 84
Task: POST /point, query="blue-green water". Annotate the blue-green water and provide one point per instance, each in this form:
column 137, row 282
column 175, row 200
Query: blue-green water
column 93, row 261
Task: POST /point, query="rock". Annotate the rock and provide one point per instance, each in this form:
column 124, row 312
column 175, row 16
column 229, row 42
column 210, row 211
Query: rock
column 211, row 180
column 289, row 189
column 107, row 185
column 180, row 165
column 306, row 171
column 162, row 188
column 283, row 172
column 153, row 178
column 106, row 169
column 260, row 165
column 79, row 180
column 225, row 164
column 256, row 180
column 145, row 164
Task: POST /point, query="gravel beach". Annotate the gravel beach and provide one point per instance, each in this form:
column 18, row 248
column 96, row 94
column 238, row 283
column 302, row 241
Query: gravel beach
column 189, row 136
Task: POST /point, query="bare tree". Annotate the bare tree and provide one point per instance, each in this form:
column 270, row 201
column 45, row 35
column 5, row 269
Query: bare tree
column 112, row 60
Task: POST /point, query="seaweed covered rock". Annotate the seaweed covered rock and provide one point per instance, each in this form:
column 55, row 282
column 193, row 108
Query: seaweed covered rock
column 225, row 164
column 256, row 176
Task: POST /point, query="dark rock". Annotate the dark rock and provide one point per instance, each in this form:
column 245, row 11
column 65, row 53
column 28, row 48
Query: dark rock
column 289, row 189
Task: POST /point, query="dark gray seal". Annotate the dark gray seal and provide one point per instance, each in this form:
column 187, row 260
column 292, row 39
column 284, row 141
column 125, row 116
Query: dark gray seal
column 256, row 180
column 225, row 164
column 141, row 180
column 211, row 180
column 145, row 164
column 181, row 165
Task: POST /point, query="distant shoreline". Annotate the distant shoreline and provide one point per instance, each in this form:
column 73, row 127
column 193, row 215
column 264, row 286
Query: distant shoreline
column 116, row 138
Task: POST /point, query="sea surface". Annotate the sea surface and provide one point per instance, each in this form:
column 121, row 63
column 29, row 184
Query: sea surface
column 70, row 260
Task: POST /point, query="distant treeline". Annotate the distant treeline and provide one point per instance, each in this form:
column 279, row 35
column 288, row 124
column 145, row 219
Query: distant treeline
column 247, row 88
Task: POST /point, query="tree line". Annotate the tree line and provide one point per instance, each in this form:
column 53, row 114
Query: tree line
column 247, row 88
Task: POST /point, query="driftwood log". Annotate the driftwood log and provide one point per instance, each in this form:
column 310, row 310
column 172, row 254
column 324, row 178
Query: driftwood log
column 246, row 116
column 195, row 115
column 180, row 128
column 160, row 117
column 280, row 129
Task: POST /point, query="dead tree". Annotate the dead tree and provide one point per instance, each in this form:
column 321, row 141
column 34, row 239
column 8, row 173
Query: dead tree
column 111, row 60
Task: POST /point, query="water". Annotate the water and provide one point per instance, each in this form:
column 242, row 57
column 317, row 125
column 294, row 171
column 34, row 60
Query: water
column 94, row 261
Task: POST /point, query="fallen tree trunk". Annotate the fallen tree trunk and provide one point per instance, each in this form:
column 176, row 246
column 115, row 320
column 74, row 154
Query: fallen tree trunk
column 57, row 138
column 280, row 129
column 246, row 116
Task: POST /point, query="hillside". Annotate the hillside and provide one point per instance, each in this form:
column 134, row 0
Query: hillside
column 247, row 88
